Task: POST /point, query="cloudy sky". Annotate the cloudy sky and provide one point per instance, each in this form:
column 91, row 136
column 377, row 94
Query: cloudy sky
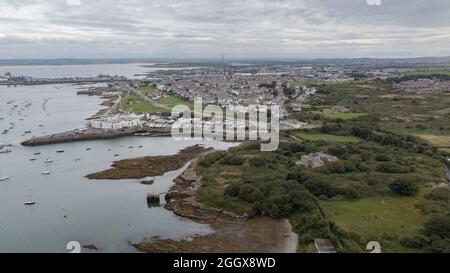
column 237, row 28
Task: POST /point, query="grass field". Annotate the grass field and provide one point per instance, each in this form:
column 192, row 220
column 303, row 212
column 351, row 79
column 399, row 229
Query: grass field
column 172, row 101
column 326, row 137
column 379, row 217
column 344, row 116
column 136, row 105
column 148, row 89
column 435, row 140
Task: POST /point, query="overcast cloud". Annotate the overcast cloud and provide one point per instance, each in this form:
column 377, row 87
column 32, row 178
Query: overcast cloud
column 237, row 28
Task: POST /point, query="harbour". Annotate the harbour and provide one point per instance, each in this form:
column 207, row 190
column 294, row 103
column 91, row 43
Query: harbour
column 45, row 199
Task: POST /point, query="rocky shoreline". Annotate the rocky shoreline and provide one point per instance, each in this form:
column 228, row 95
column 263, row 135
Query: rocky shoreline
column 231, row 232
column 109, row 102
column 149, row 166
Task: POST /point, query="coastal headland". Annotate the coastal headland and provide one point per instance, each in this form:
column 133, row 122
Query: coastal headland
column 231, row 232
column 147, row 166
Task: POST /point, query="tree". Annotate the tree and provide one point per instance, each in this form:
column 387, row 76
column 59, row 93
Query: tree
column 250, row 194
column 382, row 157
column 320, row 187
column 325, row 129
column 233, row 160
column 438, row 226
column 392, row 168
column 258, row 162
column 350, row 193
column 404, row 188
column 440, row 246
column 232, row 189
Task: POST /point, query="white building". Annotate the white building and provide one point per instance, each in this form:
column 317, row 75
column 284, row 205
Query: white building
column 119, row 121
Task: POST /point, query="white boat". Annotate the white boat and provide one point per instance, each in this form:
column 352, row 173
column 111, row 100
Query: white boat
column 29, row 203
column 49, row 160
column 46, row 172
column 4, row 178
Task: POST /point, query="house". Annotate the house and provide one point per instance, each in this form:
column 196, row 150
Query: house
column 297, row 107
column 316, row 160
column 292, row 124
column 323, row 246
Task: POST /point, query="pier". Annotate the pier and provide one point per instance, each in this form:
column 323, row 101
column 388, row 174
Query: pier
column 80, row 135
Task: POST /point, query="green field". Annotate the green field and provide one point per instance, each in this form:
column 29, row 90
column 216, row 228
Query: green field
column 326, row 137
column 136, row 105
column 172, row 101
column 379, row 217
column 148, row 89
column 441, row 141
column 345, row 116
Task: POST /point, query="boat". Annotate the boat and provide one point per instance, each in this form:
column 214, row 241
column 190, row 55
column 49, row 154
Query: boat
column 37, row 153
column 88, row 149
column 4, row 178
column 142, row 134
column 33, row 159
column 60, row 151
column 29, row 203
column 117, row 155
column 5, row 152
column 49, row 160
column 27, row 132
column 46, row 172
